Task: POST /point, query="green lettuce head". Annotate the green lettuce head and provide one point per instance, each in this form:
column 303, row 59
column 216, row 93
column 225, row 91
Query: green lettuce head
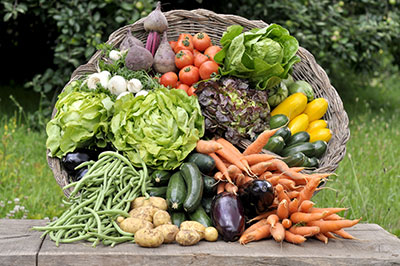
column 82, row 120
column 163, row 127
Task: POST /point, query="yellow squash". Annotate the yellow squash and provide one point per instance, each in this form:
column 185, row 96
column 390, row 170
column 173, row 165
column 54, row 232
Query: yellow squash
column 317, row 124
column 316, row 109
column 299, row 123
column 292, row 106
column 320, row 134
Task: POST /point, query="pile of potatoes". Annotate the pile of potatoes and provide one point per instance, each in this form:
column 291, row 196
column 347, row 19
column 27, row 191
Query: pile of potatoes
column 151, row 224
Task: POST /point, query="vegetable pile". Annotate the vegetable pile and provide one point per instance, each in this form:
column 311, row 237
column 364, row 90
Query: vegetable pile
column 152, row 143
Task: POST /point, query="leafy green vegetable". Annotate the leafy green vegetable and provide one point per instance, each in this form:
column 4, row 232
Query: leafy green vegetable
column 303, row 87
column 264, row 56
column 82, row 120
column 277, row 94
column 163, row 127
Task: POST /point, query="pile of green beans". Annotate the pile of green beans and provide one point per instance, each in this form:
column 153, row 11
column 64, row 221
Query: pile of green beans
column 104, row 193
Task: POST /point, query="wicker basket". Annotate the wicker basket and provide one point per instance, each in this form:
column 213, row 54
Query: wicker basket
column 215, row 24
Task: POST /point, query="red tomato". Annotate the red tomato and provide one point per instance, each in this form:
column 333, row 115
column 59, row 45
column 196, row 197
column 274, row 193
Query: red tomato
column 183, row 44
column 169, row 79
column 189, row 75
column 183, row 87
column 212, row 50
column 201, row 41
column 200, row 59
column 184, row 58
column 191, row 91
column 207, row 68
column 195, row 52
column 187, row 36
column 172, row 44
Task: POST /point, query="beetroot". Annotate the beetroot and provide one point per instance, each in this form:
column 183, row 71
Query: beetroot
column 164, row 59
column 129, row 41
column 138, row 58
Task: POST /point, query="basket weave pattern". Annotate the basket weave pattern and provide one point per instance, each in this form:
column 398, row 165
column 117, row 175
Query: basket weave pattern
column 214, row 25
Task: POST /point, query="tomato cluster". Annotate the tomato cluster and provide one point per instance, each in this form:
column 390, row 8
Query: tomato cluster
column 194, row 57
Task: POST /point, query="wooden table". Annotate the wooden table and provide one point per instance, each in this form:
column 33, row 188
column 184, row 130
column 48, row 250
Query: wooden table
column 21, row 246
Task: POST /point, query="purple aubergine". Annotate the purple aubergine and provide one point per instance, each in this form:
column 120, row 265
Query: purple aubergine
column 228, row 216
column 257, row 196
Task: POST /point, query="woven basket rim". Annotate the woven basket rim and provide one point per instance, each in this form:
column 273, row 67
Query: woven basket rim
column 206, row 16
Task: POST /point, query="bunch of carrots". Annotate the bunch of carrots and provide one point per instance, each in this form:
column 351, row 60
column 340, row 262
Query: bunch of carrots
column 292, row 216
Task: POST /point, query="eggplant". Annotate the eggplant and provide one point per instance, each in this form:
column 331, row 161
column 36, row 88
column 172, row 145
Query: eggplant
column 80, row 174
column 227, row 214
column 257, row 196
column 72, row 159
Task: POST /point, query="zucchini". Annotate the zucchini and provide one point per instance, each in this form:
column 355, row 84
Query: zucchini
column 296, row 159
column 275, row 144
column 176, row 192
column 204, row 162
column 200, row 215
column 160, row 177
column 194, row 184
column 306, row 147
column 210, row 185
column 301, row 136
column 157, row 191
column 278, row 121
column 312, row 162
column 177, row 218
column 284, row 132
column 320, row 147
column 206, row 203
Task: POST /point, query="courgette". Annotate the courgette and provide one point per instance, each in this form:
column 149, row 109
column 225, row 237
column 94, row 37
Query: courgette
column 176, row 192
column 278, row 121
column 210, row 185
column 177, row 218
column 296, row 159
column 312, row 162
column 301, row 136
column 160, row 177
column 305, row 147
column 204, row 162
column 320, row 147
column 206, row 203
column 284, row 132
column 157, row 191
column 194, row 184
column 275, row 144
column 200, row 215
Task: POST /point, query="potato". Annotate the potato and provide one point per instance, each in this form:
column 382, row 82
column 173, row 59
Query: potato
column 144, row 212
column 187, row 237
column 193, row 225
column 159, row 203
column 169, row 232
column 139, row 202
column 161, row 217
column 211, row 234
column 131, row 225
column 149, row 238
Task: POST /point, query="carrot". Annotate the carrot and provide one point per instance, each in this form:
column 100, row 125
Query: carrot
column 277, row 164
column 233, row 159
column 283, row 210
column 306, row 205
column 293, row 206
column 219, row 176
column 262, row 232
column 231, row 188
column 329, row 226
column 262, row 216
column 272, row 219
column 343, row 234
column 293, row 194
column 304, row 230
column 208, row 146
column 297, row 169
column 321, row 237
column 255, row 226
column 265, row 175
column 293, row 238
column 307, row 178
column 258, row 158
column 259, row 168
column 262, row 139
column 301, row 217
column 281, row 193
column 220, row 187
column 330, row 235
column 229, row 146
column 240, row 180
column 274, row 180
column 219, row 164
column 331, row 210
column 290, row 185
column 333, row 217
column 233, row 171
column 309, row 189
column 287, row 223
column 278, row 232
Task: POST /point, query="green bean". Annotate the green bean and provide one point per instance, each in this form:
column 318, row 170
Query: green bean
column 83, row 204
column 116, row 239
column 97, row 218
column 120, row 231
column 102, row 160
column 119, row 156
column 58, row 236
column 72, row 226
column 87, row 163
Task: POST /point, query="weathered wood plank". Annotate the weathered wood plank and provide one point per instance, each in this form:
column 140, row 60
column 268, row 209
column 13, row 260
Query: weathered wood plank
column 374, row 247
column 18, row 244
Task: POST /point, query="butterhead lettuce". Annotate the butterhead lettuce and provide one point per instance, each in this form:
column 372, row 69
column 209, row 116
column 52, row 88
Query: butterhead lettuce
column 163, row 127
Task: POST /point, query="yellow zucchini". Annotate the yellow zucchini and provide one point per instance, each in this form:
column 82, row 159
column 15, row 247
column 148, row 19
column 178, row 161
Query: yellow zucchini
column 299, row 123
column 320, row 123
column 320, row 134
column 316, row 109
column 292, row 106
